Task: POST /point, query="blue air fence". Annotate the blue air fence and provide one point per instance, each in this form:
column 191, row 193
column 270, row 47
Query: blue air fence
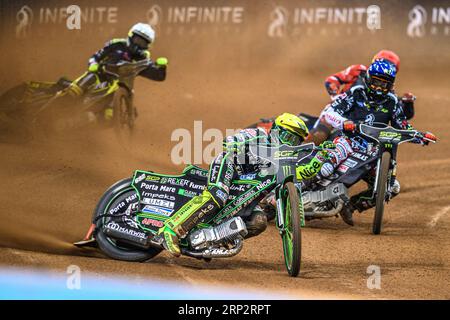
column 43, row 285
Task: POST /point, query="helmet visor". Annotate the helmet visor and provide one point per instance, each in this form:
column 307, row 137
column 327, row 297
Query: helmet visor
column 380, row 84
column 140, row 42
column 289, row 138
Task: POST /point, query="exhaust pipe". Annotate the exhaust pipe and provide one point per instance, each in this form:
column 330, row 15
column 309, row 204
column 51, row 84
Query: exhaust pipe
column 215, row 253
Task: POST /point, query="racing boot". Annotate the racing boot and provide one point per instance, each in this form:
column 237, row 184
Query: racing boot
column 361, row 202
column 269, row 206
column 347, row 214
column 108, row 113
column 80, row 86
column 198, row 209
column 256, row 223
column 395, row 188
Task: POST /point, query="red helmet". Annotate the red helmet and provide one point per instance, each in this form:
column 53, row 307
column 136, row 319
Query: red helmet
column 389, row 55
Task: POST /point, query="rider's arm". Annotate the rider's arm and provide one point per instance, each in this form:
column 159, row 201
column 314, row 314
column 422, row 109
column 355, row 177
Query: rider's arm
column 309, row 170
column 156, row 70
column 349, row 75
column 399, row 121
column 311, row 167
column 333, row 114
column 104, row 52
column 332, row 118
column 398, row 118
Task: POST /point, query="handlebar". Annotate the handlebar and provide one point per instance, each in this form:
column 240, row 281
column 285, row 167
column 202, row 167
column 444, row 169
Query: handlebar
column 382, row 131
column 130, row 68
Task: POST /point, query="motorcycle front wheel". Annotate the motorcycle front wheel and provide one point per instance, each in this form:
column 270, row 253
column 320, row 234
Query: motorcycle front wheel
column 381, row 192
column 124, row 115
column 291, row 232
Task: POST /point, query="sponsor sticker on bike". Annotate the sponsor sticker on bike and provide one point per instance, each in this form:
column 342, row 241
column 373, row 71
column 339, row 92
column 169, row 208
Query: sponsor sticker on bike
column 239, row 188
column 157, row 210
column 199, row 173
column 223, row 186
column 160, row 203
column 360, row 156
column 251, row 176
column 222, row 195
column 186, row 193
column 114, row 226
column 350, row 163
column 140, row 178
column 153, row 178
column 152, row 222
column 149, row 195
column 343, row 168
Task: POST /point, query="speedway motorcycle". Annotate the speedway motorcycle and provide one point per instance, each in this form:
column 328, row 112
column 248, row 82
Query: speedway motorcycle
column 19, row 105
column 46, row 105
column 130, row 213
column 373, row 159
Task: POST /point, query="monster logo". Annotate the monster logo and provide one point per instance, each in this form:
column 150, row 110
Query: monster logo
column 370, row 118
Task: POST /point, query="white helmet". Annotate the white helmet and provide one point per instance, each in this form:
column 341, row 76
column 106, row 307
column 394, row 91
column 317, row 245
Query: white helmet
column 142, row 30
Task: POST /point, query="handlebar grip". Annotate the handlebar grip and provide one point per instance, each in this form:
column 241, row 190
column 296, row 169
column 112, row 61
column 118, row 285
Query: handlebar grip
column 349, row 126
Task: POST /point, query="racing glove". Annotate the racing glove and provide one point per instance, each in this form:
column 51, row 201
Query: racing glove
column 407, row 103
column 327, row 145
column 324, row 150
column 349, row 126
column 408, row 97
column 93, row 67
column 428, row 137
column 332, row 89
column 425, row 138
column 162, row 62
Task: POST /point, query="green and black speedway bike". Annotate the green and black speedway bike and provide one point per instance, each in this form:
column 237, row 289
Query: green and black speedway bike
column 47, row 105
column 131, row 211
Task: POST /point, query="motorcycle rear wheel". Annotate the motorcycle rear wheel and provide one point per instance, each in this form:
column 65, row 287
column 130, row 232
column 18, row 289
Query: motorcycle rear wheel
column 109, row 246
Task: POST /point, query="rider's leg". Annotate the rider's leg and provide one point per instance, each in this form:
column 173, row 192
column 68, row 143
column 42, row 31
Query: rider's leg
column 342, row 151
column 256, row 223
column 80, row 85
column 200, row 208
column 336, row 156
column 364, row 200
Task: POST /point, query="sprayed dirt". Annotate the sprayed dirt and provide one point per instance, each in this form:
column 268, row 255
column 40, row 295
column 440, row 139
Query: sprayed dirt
column 49, row 188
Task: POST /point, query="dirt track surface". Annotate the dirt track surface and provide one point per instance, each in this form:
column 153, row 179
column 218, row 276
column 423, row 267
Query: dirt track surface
column 49, row 188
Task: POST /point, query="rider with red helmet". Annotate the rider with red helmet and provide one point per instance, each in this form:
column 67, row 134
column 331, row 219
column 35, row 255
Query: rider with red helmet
column 342, row 81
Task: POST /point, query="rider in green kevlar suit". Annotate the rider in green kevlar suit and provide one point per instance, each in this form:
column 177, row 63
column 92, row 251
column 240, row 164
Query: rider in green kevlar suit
column 236, row 159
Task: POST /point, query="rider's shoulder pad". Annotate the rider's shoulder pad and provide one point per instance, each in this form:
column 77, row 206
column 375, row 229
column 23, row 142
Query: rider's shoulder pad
column 147, row 54
column 116, row 41
column 356, row 88
column 393, row 97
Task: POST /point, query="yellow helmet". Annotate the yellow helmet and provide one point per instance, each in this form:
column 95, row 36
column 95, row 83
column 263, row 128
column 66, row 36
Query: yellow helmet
column 292, row 129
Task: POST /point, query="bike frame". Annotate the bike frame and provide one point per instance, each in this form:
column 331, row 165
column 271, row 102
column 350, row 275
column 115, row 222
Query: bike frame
column 388, row 139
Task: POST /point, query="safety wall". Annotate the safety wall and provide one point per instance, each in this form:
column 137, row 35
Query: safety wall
column 244, row 34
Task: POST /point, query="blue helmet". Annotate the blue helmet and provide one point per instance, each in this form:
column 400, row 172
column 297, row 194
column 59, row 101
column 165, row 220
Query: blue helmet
column 380, row 78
